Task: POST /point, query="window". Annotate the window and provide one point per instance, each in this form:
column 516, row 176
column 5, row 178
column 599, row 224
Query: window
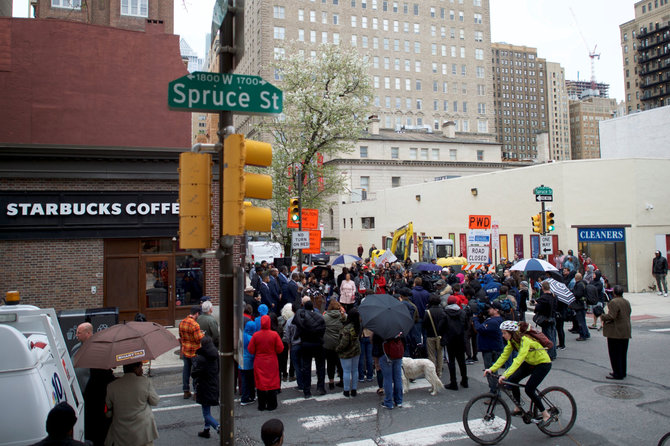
column 336, row 19
column 479, row 36
column 279, row 12
column 312, row 16
column 75, row 4
column 482, row 126
column 312, row 36
column 480, row 155
column 479, row 54
column 478, row 19
column 435, row 154
column 395, row 152
column 480, row 72
column 424, row 154
column 452, row 154
column 301, row 15
column 138, row 8
column 365, row 183
column 481, row 108
column 364, row 151
column 395, row 181
column 279, row 53
column 354, row 39
column 353, row 21
column 367, row 222
column 412, row 153
column 279, row 32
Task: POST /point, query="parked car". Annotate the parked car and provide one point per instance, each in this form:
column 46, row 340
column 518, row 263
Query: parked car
column 320, row 259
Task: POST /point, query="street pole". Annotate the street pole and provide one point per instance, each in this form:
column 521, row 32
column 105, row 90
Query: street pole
column 299, row 173
column 225, row 252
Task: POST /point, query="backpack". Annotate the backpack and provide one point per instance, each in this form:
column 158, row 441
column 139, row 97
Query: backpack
column 592, row 297
column 394, row 348
column 539, row 337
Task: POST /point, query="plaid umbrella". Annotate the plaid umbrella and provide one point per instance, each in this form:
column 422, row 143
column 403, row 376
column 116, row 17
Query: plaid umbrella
column 561, row 291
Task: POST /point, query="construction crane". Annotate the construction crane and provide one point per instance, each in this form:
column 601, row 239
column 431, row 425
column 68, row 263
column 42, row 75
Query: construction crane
column 592, row 54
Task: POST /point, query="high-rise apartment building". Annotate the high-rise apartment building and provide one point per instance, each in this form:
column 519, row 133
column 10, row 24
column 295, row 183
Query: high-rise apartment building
column 582, row 89
column 428, row 59
column 585, row 116
column 558, row 112
column 519, row 99
column 125, row 14
column 646, row 56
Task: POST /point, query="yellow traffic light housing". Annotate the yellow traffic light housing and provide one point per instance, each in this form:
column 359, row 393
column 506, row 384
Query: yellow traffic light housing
column 195, row 201
column 549, row 220
column 239, row 216
column 294, row 210
column 537, row 223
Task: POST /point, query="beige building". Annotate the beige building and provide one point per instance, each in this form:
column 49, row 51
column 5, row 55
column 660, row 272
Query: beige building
column 645, row 63
column 618, row 227
column 585, row 116
column 428, row 60
column 557, row 112
column 520, row 107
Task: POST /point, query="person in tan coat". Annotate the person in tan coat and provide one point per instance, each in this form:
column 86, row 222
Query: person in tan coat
column 617, row 330
column 128, row 401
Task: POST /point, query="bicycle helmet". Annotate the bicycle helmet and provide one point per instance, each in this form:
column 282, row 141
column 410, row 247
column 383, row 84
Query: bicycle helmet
column 509, row 326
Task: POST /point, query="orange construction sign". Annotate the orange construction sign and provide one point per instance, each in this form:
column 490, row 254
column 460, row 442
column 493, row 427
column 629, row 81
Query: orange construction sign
column 314, row 243
column 310, row 219
column 479, row 222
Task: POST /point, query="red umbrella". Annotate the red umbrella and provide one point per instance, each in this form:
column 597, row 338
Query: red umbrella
column 124, row 344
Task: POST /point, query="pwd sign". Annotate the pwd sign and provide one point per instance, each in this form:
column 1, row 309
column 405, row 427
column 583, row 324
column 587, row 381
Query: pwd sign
column 479, row 222
column 478, row 254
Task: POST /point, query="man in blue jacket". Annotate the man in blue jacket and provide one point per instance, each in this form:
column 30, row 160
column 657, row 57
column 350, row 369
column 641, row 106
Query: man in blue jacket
column 489, row 335
column 491, row 286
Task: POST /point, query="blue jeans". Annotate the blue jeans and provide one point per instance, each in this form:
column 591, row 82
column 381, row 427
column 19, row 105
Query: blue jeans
column 581, row 320
column 365, row 363
column 350, row 372
column 209, row 419
column 549, row 330
column 489, row 359
column 392, row 372
column 186, row 374
column 297, row 364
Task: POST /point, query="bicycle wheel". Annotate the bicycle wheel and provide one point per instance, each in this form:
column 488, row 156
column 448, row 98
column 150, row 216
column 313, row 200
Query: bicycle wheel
column 665, row 440
column 562, row 408
column 486, row 419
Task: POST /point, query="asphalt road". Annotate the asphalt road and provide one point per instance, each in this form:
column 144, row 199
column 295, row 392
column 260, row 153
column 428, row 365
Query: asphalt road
column 635, row 411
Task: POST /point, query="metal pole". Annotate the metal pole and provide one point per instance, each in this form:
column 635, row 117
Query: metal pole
column 299, row 171
column 226, row 280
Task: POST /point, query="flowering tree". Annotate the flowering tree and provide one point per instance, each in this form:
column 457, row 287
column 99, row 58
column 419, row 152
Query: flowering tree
column 325, row 112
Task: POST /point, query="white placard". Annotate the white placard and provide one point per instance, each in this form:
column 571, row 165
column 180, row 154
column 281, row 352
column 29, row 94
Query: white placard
column 300, row 239
column 546, row 247
column 478, row 254
column 479, row 237
column 495, row 236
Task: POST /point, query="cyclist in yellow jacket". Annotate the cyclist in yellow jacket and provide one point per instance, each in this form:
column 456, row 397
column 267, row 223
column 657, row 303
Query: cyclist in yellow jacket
column 532, row 359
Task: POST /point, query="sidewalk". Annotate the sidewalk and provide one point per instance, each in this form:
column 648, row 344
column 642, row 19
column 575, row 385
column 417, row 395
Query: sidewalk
column 644, row 306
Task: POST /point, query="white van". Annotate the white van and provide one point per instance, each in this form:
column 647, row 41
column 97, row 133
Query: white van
column 259, row 251
column 36, row 373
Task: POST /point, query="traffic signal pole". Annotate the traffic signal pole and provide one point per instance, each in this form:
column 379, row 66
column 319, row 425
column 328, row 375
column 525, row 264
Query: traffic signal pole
column 225, row 251
column 300, row 180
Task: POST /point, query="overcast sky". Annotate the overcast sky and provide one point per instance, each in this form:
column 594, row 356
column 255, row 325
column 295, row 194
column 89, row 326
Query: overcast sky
column 548, row 25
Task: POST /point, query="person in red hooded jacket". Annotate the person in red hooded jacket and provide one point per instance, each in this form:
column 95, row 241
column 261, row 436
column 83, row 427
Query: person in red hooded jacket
column 266, row 345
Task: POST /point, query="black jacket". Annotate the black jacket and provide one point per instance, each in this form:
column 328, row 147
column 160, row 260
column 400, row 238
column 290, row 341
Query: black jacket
column 579, row 291
column 205, row 373
column 546, row 305
column 453, row 325
column 659, row 265
column 311, row 326
column 437, row 314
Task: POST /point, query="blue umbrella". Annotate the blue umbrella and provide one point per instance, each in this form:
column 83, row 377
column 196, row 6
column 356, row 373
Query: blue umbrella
column 345, row 259
column 527, row 265
column 421, row 267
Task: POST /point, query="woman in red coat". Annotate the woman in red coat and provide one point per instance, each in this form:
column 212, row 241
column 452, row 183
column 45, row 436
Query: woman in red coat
column 266, row 345
column 379, row 285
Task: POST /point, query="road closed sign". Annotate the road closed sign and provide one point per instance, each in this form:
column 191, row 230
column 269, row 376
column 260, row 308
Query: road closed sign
column 478, row 254
column 479, row 222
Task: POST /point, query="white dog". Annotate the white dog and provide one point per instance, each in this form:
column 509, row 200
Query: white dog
column 415, row 368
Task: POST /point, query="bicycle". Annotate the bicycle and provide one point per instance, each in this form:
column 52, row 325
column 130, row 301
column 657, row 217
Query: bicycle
column 487, row 417
column 665, row 440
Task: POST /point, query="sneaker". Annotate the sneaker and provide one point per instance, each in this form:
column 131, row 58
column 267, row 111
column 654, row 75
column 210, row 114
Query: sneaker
column 474, row 359
column 665, row 294
column 581, row 339
column 291, row 378
column 246, row 403
column 361, row 380
column 204, row 434
column 353, row 392
column 321, row 391
column 368, row 380
column 452, row 386
column 399, row 405
column 346, row 393
column 385, row 406
column 659, row 293
column 187, row 395
column 561, row 347
column 469, row 361
column 308, row 396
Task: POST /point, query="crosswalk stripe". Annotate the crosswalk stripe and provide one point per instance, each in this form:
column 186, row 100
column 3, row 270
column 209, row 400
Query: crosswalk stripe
column 660, row 330
column 419, row 384
column 165, row 409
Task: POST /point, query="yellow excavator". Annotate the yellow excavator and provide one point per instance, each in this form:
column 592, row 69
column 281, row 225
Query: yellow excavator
column 428, row 248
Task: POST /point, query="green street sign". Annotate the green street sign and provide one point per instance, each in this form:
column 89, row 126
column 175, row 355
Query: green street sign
column 542, row 190
column 241, row 93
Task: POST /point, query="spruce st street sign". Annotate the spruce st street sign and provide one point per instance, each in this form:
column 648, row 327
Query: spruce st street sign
column 206, row 92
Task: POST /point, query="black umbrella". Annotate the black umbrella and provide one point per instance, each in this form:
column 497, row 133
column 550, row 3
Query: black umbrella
column 421, row 267
column 385, row 315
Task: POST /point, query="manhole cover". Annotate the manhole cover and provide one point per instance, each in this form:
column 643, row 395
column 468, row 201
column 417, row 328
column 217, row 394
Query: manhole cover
column 618, row 392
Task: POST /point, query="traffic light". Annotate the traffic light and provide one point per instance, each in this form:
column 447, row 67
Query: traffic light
column 294, row 210
column 238, row 184
column 195, row 201
column 537, row 223
column 549, row 220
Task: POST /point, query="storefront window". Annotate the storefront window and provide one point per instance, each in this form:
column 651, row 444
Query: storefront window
column 157, row 246
column 157, row 283
column 189, row 280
